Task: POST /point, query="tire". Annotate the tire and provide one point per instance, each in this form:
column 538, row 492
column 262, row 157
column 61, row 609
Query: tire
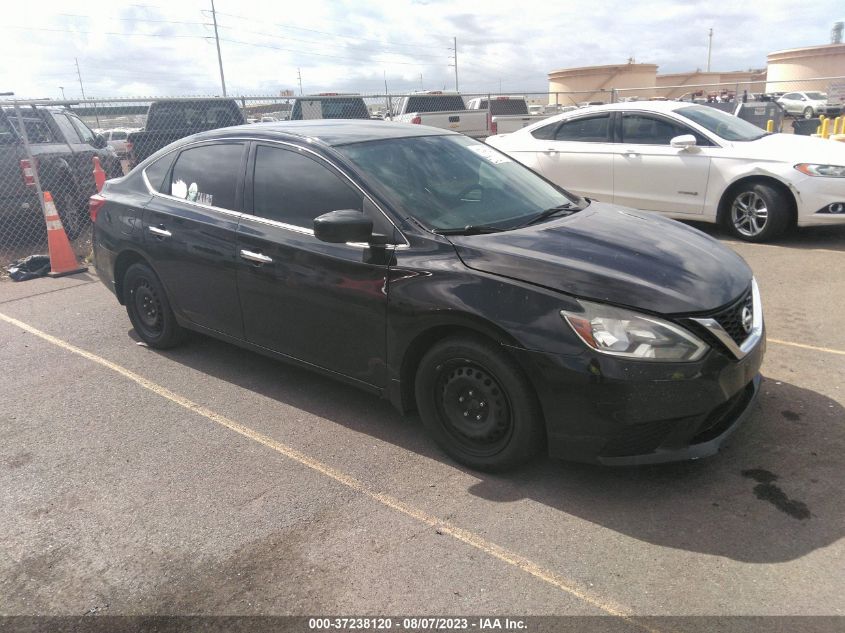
column 149, row 309
column 72, row 211
column 808, row 113
column 460, row 372
column 757, row 212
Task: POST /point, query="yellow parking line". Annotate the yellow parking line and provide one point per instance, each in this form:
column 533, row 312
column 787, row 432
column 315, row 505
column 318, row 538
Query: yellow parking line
column 827, row 350
column 465, row 536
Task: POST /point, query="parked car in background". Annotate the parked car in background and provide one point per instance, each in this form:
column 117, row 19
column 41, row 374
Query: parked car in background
column 808, row 104
column 440, row 109
column 117, row 140
column 63, row 147
column 433, row 270
column 170, row 120
column 329, row 105
column 505, row 114
column 690, row 162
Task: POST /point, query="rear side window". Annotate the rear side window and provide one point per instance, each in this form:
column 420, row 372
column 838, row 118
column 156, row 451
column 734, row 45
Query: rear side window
column 7, row 134
column 545, row 133
column 157, row 173
column 592, row 129
column 294, row 189
column 208, row 174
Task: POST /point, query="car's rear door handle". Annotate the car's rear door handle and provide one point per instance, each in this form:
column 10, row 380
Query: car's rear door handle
column 258, row 258
column 159, row 232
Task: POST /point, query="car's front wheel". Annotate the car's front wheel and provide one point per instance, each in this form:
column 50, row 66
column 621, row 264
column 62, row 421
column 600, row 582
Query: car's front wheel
column 148, row 308
column 757, row 212
column 478, row 406
column 808, row 112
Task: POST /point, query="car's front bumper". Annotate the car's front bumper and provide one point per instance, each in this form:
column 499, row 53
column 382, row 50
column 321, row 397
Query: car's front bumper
column 814, row 195
column 600, row 409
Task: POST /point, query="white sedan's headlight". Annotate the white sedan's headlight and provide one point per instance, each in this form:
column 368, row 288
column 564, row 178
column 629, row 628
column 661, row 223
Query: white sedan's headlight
column 830, row 171
column 620, row 332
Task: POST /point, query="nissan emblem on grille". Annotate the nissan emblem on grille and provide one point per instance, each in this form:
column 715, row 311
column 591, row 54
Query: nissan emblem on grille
column 747, row 319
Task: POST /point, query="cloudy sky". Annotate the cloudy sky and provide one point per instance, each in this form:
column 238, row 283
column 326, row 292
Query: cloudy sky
column 167, row 48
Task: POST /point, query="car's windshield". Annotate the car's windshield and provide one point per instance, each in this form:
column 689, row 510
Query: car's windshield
column 816, row 96
column 451, row 182
column 725, row 125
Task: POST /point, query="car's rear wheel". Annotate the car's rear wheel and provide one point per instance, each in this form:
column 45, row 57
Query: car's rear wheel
column 808, row 112
column 757, row 212
column 478, row 406
column 149, row 309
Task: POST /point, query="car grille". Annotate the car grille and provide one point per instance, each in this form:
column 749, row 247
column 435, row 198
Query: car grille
column 731, row 317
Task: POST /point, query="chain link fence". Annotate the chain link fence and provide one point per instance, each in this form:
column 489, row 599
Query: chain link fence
column 51, row 145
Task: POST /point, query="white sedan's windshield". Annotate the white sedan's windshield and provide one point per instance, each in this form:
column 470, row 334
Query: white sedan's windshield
column 727, row 126
column 451, row 182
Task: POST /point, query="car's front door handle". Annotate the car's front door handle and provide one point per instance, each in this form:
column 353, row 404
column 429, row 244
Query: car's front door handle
column 631, row 152
column 258, row 258
column 158, row 232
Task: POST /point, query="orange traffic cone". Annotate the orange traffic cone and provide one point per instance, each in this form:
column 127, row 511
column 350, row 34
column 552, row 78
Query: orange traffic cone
column 99, row 174
column 62, row 260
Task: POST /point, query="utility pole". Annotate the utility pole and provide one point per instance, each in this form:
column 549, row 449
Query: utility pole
column 421, row 82
column 82, row 90
column 709, row 49
column 455, row 42
column 299, row 76
column 62, row 88
column 217, row 40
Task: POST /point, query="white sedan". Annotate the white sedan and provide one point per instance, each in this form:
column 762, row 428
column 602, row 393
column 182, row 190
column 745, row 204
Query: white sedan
column 689, row 162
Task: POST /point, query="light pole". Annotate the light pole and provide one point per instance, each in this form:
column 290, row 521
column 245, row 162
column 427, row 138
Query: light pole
column 62, row 88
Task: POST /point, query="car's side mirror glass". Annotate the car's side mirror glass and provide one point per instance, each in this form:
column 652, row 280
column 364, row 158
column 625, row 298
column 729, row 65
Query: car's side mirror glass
column 683, row 141
column 345, row 225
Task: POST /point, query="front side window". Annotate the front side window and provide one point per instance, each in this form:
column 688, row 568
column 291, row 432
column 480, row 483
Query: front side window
column 451, row 182
column 650, row 130
column 67, row 128
column 85, row 134
column 294, row 189
column 207, row 175
column 592, row 129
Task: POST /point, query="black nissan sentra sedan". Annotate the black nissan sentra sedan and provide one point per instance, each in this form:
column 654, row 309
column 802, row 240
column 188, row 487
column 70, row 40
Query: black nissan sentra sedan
column 433, row 270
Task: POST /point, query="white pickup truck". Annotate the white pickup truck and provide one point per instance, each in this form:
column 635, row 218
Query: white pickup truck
column 445, row 110
column 505, row 114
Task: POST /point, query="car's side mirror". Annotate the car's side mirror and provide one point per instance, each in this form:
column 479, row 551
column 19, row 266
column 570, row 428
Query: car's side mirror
column 99, row 141
column 684, row 141
column 345, row 225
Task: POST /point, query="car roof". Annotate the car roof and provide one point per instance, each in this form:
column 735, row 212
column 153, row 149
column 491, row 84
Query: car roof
column 326, row 131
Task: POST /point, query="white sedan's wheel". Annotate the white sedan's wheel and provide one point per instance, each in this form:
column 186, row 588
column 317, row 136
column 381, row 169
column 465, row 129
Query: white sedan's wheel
column 758, row 212
column 749, row 214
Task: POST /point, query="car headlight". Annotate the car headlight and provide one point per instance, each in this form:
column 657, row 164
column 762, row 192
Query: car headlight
column 830, row 171
column 620, row 332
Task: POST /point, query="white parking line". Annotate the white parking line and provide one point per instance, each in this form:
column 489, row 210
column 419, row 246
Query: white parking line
column 826, row 350
column 445, row 527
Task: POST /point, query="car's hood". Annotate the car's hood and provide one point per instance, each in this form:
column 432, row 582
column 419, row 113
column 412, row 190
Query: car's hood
column 793, row 148
column 616, row 255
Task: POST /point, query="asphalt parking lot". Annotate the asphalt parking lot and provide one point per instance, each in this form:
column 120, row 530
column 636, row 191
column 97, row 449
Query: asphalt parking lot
column 211, row 480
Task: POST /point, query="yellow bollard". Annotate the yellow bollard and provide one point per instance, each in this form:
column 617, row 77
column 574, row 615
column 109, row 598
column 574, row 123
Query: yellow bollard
column 837, row 125
column 825, row 128
column 770, row 126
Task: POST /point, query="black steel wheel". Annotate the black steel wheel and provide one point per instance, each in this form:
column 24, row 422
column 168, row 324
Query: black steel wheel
column 478, row 405
column 148, row 308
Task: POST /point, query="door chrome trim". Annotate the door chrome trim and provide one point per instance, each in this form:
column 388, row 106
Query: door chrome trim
column 256, row 257
column 159, row 232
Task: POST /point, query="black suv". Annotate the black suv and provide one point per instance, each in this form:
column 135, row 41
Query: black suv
column 63, row 148
column 431, row 269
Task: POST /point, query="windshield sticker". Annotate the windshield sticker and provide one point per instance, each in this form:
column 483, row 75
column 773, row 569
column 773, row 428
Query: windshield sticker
column 180, row 189
column 489, row 154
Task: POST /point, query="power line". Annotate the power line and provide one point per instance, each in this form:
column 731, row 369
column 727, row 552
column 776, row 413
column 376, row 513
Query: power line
column 291, row 50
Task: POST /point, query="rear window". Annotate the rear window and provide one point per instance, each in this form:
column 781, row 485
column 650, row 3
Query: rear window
column 118, row 136
column 37, row 130
column 333, row 108
column 507, row 106
column 435, row 103
column 188, row 114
